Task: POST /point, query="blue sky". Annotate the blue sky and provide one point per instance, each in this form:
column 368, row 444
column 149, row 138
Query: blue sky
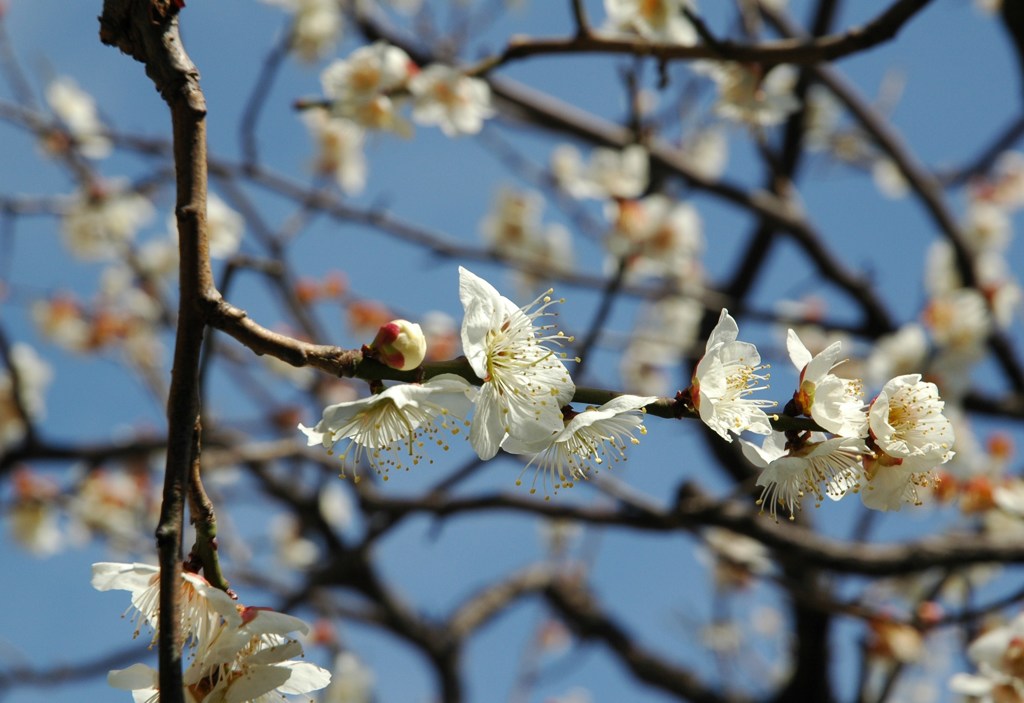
column 946, row 114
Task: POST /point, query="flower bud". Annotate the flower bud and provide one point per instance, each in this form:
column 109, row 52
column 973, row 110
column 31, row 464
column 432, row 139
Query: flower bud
column 400, row 344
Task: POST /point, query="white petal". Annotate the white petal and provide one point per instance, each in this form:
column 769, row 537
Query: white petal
column 136, row 676
column 970, row 685
column 107, row 576
column 798, row 353
column 482, row 303
column 255, row 682
column 305, row 677
column 824, row 362
column 488, row 429
column 725, row 331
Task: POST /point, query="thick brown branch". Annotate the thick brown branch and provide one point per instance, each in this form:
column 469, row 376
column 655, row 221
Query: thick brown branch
column 792, row 51
column 789, row 540
column 481, row 608
column 589, row 621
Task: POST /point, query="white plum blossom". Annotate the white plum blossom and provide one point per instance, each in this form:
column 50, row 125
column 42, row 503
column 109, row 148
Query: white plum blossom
column 907, row 423
column 836, row 404
column 988, row 226
column 1005, row 187
column 241, row 662
column 264, row 669
column 291, row 548
column 101, row 223
column 316, row 26
column 225, row 227
column 144, row 683
column 747, row 95
column 112, row 503
column 609, row 173
column 361, row 87
column 941, row 273
column 897, row 353
column 910, row 436
column 999, row 656
column 660, row 21
column 200, row 602
column 61, row 320
column 33, row 517
column 736, row 558
column 391, row 426
column 514, row 229
column 586, row 441
column 788, row 474
column 707, row 151
column 455, row 102
column 237, row 653
column 725, row 376
column 24, row 400
column 658, row 236
column 76, row 110
column 889, row 178
column 959, row 321
column 339, row 149
column 525, row 383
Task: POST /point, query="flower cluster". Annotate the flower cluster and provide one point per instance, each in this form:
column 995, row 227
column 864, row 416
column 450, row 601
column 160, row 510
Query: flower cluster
column 366, row 91
column 522, row 404
column 368, row 86
column 884, row 450
column 237, row 653
column 514, row 230
column 999, row 656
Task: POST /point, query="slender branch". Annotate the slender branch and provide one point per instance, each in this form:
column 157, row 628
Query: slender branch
column 579, row 15
column 147, row 30
column 203, row 517
column 257, row 98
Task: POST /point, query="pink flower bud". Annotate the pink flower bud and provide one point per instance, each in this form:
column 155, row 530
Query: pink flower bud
column 400, row 344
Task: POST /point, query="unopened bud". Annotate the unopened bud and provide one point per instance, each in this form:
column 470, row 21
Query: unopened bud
column 400, row 344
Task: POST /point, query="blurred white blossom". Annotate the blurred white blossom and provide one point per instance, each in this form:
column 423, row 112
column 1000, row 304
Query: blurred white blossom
column 747, row 95
column 339, row 149
column 608, row 174
column 317, row 26
column 102, row 222
column 455, row 102
column 361, row 86
column 24, row 399
column 659, row 21
column 77, row 112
